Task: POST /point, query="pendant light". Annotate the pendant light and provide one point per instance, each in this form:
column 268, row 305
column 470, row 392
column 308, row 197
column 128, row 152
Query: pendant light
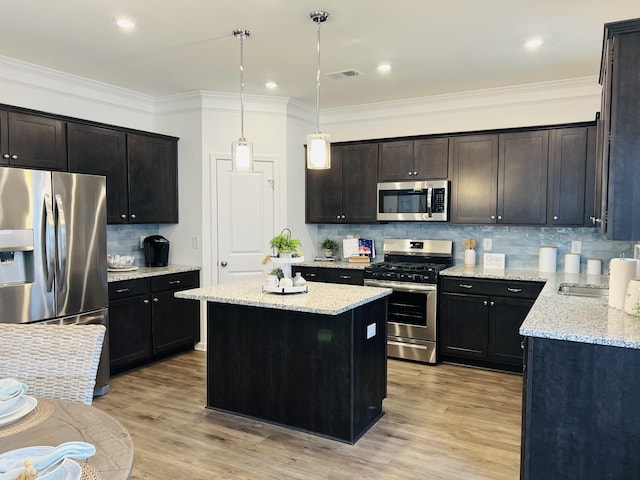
column 241, row 150
column 318, row 144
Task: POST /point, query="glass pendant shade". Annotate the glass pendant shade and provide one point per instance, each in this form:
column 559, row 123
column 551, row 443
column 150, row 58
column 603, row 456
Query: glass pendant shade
column 242, row 156
column 318, row 151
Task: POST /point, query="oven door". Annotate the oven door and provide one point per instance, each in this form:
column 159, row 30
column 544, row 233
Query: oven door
column 411, row 311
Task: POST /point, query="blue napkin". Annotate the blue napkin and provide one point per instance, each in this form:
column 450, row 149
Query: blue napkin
column 11, row 388
column 12, row 463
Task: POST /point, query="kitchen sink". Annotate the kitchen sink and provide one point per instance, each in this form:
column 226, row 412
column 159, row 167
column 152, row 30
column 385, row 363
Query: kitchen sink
column 583, row 291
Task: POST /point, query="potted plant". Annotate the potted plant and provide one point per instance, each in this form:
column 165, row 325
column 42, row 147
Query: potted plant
column 329, row 245
column 284, row 244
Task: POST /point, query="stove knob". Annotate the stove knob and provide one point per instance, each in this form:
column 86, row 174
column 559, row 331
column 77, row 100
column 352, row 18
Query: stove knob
column 417, row 277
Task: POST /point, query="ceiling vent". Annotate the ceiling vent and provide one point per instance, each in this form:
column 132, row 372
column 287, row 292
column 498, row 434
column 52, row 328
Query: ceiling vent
column 345, row 74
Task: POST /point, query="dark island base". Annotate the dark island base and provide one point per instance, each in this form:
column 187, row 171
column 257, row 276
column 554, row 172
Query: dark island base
column 323, row 374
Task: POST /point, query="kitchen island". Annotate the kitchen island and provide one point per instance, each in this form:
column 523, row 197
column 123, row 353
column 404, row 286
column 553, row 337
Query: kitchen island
column 311, row 361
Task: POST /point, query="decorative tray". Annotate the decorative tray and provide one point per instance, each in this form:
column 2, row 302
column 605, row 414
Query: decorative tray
column 285, row 290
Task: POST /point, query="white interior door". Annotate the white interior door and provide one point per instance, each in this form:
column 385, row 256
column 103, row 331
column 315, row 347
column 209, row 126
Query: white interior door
column 245, row 207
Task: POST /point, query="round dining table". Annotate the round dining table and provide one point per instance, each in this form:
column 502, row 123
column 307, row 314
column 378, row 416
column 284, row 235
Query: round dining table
column 53, row 422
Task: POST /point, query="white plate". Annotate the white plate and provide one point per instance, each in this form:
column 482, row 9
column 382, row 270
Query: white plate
column 28, row 406
column 123, row 269
column 65, row 470
column 17, row 405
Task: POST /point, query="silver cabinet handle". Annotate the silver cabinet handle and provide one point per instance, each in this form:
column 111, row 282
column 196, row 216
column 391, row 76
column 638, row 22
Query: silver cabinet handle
column 409, row 173
column 145, row 301
column 514, row 290
column 499, row 217
column 342, row 216
column 555, row 217
column 493, row 217
column 594, row 220
column 485, row 303
column 155, row 299
column 123, row 216
column 346, row 277
column 122, row 290
column 492, row 303
column 14, row 157
column 465, row 285
column 338, row 216
column 309, row 275
column 223, row 263
column 415, row 173
column 174, row 282
column 133, row 215
column 6, row 155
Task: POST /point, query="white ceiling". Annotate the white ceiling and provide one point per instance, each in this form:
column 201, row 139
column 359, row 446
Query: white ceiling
column 434, row 46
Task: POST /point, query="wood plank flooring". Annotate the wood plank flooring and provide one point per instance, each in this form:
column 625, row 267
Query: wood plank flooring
column 445, row 422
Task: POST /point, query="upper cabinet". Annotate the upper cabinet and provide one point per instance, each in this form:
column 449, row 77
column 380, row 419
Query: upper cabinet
column 345, row 193
column 424, row 159
column 620, row 131
column 32, row 141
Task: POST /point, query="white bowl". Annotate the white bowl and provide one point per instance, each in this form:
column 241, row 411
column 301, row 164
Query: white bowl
column 120, row 261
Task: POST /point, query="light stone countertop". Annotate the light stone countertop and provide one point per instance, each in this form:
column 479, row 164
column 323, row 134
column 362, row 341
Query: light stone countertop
column 322, row 298
column 144, row 272
column 337, row 264
column 566, row 317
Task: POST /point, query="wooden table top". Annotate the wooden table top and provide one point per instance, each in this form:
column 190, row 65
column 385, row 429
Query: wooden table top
column 73, row 421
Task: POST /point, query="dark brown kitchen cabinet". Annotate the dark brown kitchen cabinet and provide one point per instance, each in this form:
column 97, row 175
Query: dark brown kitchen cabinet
column 620, row 118
column 32, row 141
column 425, row 159
column 349, row 276
column 345, row 193
column 102, row 151
column 474, row 173
column 479, row 320
column 147, row 322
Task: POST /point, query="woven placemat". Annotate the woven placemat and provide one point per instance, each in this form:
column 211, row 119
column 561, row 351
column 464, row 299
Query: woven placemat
column 43, row 410
column 89, row 472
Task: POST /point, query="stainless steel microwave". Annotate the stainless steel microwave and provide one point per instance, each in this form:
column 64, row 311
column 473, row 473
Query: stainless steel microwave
column 426, row 201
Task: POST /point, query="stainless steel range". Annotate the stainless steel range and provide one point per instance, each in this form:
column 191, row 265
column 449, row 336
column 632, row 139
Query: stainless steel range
column 411, row 269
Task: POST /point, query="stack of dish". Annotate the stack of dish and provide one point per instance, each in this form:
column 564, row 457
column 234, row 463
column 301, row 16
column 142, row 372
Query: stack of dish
column 50, row 463
column 14, row 402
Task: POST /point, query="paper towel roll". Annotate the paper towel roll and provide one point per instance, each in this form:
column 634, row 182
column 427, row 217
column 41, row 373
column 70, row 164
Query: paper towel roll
column 632, row 297
column 622, row 270
column 571, row 263
column 547, row 259
column 594, row 266
column 469, row 257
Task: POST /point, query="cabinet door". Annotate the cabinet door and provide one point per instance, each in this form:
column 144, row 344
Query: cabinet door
column 153, row 179
column 474, row 173
column 359, row 183
column 324, row 191
column 568, row 158
column 505, row 317
column 522, row 178
column 396, row 161
column 37, row 142
column 173, row 322
column 464, row 325
column 129, row 331
column 593, row 187
column 4, row 139
column 431, row 159
column 102, row 151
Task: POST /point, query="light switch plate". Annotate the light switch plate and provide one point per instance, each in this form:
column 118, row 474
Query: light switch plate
column 576, row 246
column 487, row 244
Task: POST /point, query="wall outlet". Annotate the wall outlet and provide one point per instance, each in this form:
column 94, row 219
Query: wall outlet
column 142, row 241
column 576, row 246
column 487, row 244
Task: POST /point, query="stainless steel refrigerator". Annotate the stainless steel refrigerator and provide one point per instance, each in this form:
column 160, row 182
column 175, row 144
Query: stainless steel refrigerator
column 53, row 251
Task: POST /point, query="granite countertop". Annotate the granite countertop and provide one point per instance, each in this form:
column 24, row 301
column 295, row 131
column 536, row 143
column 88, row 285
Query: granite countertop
column 566, row 317
column 143, row 272
column 336, row 264
column 322, row 298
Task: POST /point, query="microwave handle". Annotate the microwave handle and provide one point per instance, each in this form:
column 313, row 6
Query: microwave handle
column 429, row 209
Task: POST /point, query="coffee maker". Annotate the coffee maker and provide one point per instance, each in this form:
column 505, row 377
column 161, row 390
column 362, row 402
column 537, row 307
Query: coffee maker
column 156, row 251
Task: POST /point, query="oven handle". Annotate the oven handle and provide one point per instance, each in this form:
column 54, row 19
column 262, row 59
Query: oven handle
column 402, row 286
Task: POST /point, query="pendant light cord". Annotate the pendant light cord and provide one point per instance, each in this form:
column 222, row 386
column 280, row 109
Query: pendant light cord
column 242, row 37
column 318, row 86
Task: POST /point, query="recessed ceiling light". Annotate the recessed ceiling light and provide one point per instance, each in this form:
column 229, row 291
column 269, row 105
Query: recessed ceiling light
column 384, row 68
column 125, row 23
column 533, row 43
column 271, row 85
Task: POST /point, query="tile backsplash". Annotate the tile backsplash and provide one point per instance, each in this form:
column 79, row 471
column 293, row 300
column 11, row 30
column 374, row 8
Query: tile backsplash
column 125, row 240
column 519, row 244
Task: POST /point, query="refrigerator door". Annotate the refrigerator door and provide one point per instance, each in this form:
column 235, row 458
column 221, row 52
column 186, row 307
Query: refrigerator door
column 27, row 246
column 81, row 243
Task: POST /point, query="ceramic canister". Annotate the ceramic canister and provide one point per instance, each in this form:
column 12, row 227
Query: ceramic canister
column 632, row 299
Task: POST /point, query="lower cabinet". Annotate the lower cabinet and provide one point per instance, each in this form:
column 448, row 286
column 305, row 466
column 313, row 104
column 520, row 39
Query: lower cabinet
column 479, row 320
column 349, row 276
column 147, row 322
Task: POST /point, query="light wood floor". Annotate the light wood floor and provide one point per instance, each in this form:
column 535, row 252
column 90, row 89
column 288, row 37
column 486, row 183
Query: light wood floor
column 443, row 422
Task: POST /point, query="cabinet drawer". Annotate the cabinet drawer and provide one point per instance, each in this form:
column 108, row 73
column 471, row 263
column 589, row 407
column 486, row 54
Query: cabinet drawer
column 507, row 288
column 175, row 281
column 128, row 288
column 348, row 276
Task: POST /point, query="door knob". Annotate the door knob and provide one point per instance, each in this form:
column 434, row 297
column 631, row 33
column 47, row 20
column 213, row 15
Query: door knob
column 223, row 263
